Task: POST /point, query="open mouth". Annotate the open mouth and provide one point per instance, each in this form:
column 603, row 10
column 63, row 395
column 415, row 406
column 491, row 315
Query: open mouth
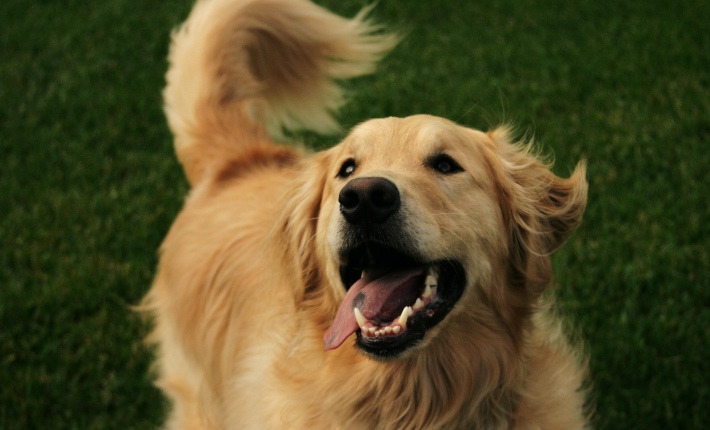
column 392, row 298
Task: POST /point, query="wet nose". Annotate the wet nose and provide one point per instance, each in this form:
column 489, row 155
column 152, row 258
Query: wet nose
column 368, row 200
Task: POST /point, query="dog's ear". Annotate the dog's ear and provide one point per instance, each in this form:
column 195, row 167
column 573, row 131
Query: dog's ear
column 539, row 208
column 299, row 221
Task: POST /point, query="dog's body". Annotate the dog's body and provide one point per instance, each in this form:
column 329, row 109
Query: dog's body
column 261, row 269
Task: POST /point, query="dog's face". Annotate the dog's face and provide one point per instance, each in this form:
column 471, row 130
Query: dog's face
column 418, row 218
column 412, row 220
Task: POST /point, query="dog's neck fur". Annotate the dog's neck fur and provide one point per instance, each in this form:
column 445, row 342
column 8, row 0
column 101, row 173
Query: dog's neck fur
column 433, row 386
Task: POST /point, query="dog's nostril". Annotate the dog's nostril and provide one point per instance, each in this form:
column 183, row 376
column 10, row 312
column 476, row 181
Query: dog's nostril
column 348, row 199
column 370, row 200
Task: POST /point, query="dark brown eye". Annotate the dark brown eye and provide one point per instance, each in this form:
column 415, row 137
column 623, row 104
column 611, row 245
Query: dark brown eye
column 347, row 168
column 444, row 164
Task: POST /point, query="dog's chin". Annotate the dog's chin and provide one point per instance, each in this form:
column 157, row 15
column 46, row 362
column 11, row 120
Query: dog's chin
column 429, row 307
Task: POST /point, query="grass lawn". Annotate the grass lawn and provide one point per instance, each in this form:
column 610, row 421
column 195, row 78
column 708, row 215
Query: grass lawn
column 89, row 185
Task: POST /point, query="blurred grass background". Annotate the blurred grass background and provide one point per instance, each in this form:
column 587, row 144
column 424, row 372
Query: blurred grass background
column 89, row 184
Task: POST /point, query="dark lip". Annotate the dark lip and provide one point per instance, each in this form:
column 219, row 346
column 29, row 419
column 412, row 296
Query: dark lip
column 372, row 255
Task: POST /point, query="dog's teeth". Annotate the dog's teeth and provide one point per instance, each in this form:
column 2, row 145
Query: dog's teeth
column 403, row 318
column 433, row 291
column 418, row 305
column 361, row 320
column 432, row 278
column 372, row 330
column 406, row 312
column 427, row 292
column 362, row 275
column 388, row 329
column 396, row 329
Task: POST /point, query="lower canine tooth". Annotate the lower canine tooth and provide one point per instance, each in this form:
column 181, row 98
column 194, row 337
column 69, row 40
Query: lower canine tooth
column 361, row 320
column 406, row 312
column 418, row 305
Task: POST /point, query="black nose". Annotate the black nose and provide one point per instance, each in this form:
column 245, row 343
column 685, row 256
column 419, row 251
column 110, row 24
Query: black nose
column 368, row 200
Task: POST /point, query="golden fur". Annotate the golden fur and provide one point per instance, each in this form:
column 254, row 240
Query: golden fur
column 248, row 279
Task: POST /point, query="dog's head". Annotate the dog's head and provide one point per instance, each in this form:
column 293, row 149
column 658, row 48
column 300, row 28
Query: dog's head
column 424, row 225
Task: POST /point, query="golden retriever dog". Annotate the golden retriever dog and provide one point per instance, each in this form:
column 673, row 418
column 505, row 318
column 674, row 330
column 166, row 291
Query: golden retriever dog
column 394, row 281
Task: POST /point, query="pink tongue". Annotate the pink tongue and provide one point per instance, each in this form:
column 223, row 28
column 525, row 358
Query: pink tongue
column 380, row 299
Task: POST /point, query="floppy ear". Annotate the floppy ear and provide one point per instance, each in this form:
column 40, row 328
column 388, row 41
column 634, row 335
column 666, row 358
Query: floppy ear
column 299, row 221
column 539, row 209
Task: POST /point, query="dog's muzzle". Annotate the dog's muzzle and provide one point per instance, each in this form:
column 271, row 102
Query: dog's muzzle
column 394, row 291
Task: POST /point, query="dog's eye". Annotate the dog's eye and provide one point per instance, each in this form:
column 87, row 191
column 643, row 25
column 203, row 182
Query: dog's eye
column 347, row 168
column 444, row 164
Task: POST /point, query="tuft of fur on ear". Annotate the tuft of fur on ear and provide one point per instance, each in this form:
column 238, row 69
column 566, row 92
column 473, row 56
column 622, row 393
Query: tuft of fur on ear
column 539, row 208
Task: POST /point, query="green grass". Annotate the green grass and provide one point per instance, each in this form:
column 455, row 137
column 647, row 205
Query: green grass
column 89, row 185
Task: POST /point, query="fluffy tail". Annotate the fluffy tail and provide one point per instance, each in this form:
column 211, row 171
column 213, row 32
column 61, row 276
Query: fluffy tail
column 243, row 70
